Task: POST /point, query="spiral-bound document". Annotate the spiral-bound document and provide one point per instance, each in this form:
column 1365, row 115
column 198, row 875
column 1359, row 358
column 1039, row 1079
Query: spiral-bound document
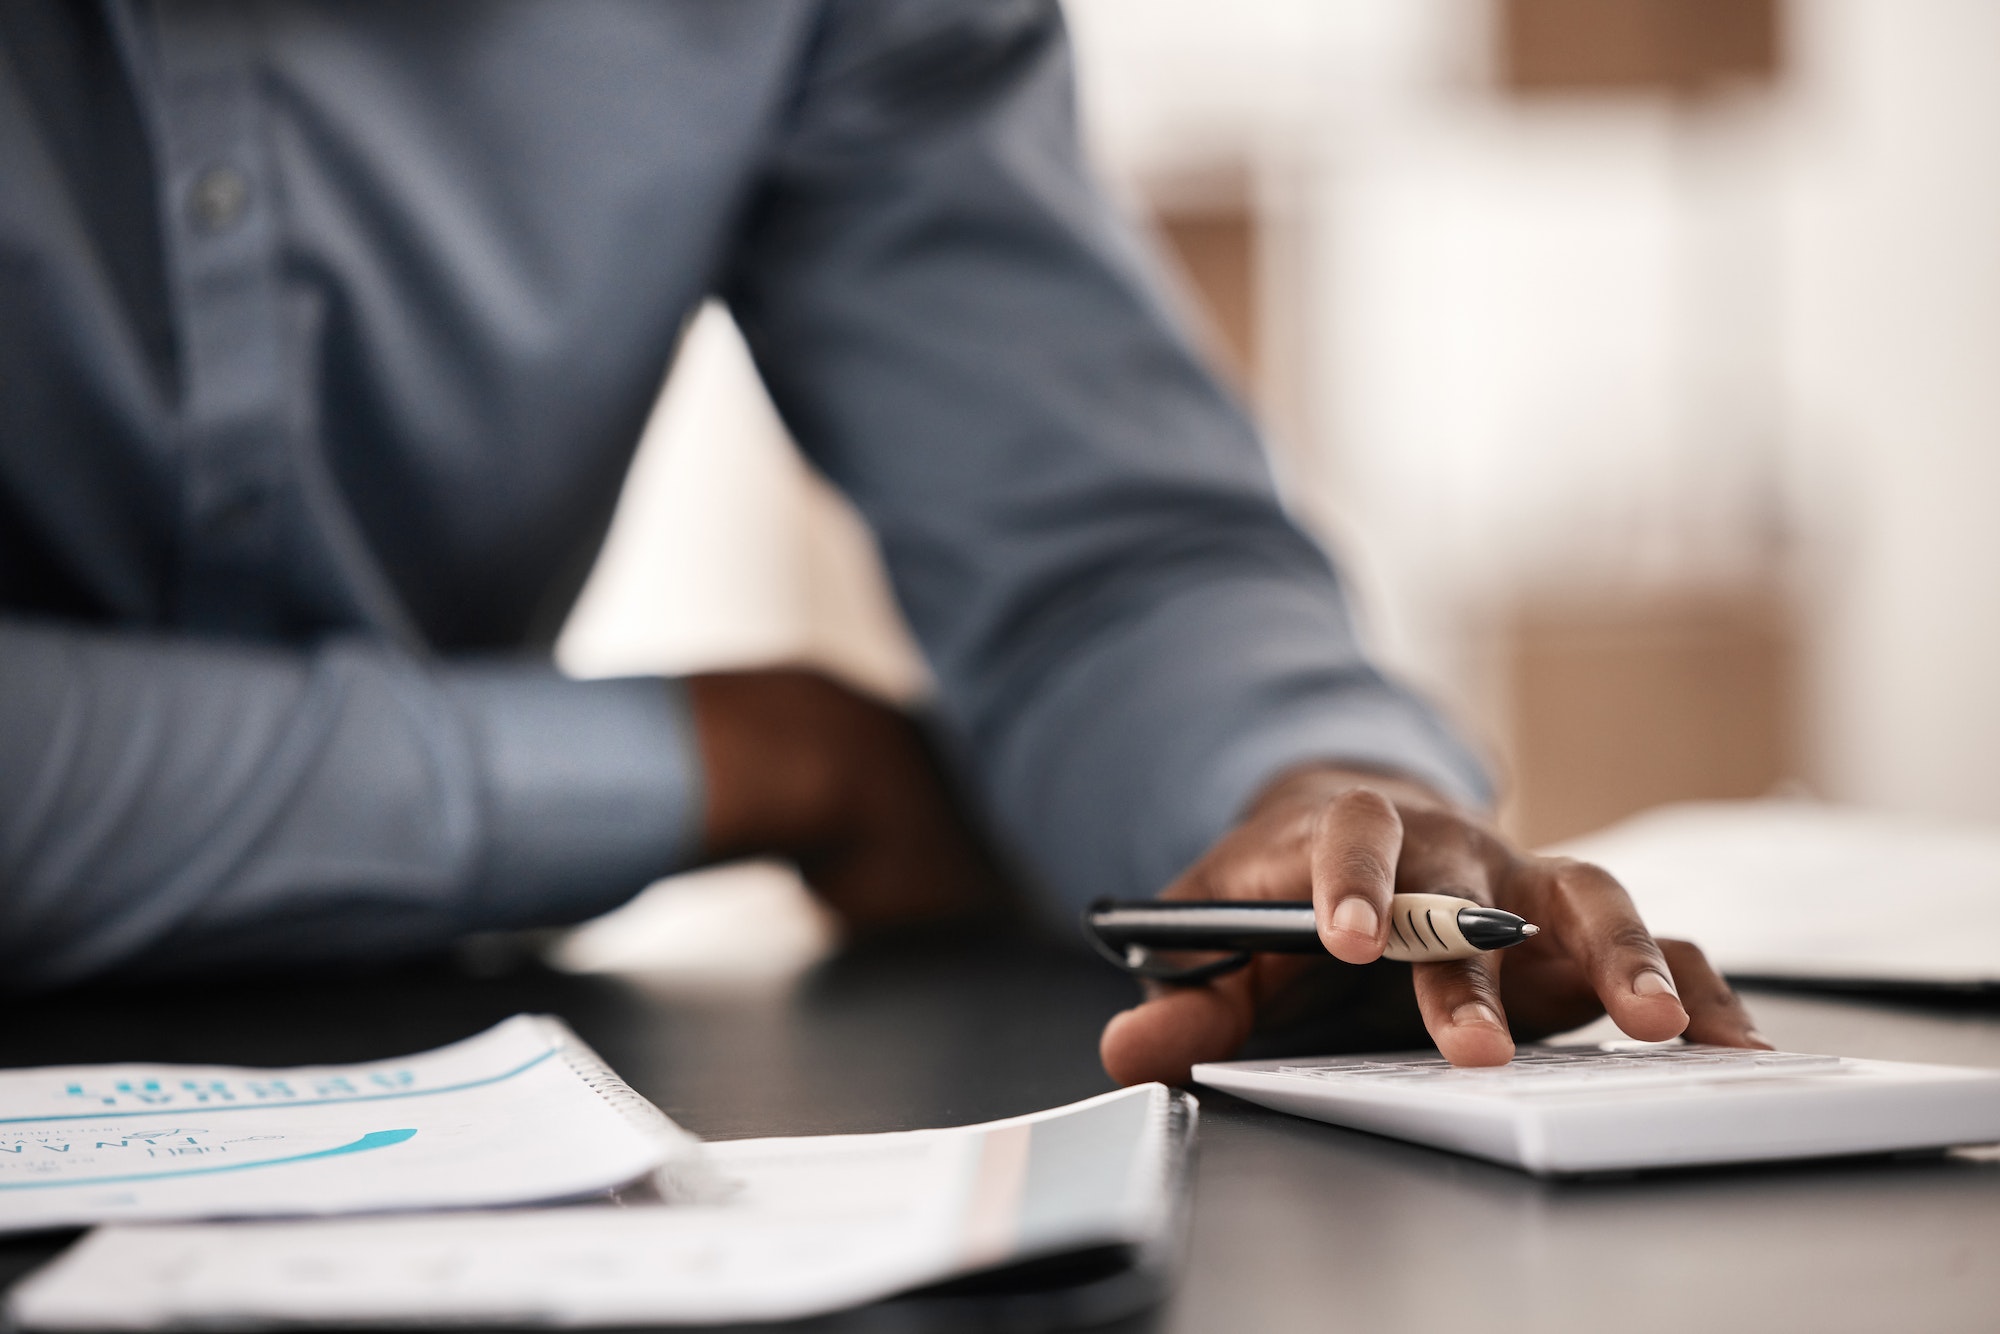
column 800, row 1227
column 525, row 1112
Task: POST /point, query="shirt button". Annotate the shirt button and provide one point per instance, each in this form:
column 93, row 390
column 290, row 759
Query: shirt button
column 219, row 199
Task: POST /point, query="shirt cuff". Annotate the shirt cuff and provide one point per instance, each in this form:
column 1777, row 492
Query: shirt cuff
column 591, row 789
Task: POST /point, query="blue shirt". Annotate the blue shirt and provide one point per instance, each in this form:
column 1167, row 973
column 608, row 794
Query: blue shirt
column 327, row 333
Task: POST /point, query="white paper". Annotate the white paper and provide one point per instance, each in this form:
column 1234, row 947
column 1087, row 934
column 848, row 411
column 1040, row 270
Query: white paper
column 523, row 1112
column 811, row 1225
column 1799, row 890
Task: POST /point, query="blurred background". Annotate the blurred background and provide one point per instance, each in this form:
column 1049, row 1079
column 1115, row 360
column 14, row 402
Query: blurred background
column 1639, row 359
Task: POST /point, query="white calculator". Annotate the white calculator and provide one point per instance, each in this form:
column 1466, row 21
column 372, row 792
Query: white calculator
column 1561, row 1110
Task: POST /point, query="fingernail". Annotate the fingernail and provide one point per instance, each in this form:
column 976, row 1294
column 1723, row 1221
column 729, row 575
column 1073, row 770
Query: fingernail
column 1652, row 983
column 1473, row 1012
column 1356, row 914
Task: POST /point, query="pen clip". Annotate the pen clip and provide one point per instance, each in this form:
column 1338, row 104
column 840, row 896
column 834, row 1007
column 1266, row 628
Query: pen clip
column 1140, row 961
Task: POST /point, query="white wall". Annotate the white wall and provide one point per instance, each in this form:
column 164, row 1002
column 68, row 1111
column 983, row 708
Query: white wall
column 1893, row 326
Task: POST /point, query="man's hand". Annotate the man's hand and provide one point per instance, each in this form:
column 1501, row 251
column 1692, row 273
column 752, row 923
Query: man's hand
column 799, row 767
column 1348, row 840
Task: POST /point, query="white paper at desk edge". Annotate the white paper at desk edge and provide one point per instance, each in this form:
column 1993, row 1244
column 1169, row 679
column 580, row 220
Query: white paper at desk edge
column 815, row 1232
column 1801, row 890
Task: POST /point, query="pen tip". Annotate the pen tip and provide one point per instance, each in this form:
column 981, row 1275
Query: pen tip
column 1530, row 929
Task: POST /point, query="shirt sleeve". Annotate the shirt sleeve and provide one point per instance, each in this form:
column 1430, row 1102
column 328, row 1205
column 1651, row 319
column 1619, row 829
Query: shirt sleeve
column 1129, row 635
column 170, row 803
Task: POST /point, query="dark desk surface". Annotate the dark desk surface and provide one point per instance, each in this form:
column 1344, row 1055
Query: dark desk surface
column 1296, row 1225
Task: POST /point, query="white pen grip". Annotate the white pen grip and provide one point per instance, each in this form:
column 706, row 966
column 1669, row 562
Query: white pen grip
column 1423, row 928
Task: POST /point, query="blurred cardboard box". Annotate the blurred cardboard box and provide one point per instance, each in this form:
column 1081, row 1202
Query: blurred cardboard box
column 1616, row 704
column 1672, row 46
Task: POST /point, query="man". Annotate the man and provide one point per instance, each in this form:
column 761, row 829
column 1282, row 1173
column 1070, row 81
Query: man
column 326, row 333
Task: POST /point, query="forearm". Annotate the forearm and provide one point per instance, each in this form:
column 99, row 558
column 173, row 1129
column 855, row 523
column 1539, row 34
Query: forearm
column 169, row 803
column 774, row 768
column 799, row 767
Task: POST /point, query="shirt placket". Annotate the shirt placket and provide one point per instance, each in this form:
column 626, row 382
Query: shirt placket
column 221, row 243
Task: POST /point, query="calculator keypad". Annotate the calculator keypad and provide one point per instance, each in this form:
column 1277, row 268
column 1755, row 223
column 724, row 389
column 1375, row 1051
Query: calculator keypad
column 1538, row 1070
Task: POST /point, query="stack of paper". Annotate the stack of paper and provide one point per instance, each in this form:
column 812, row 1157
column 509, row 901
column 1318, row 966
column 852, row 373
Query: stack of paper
column 812, row 1225
column 747, row 1230
column 1813, row 893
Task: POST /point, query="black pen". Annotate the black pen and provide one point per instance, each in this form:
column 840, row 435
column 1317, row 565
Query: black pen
column 1423, row 928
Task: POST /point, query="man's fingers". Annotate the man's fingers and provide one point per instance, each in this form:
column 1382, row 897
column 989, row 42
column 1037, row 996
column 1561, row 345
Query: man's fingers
column 1445, row 854
column 1460, row 1002
column 1355, row 843
column 1162, row 1037
column 1594, row 919
column 1715, row 1013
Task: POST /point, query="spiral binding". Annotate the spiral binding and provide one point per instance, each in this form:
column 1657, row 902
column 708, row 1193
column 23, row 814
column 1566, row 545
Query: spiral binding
column 684, row 1174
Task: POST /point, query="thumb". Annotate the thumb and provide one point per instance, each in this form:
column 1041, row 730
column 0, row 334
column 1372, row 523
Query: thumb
column 1161, row 1038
